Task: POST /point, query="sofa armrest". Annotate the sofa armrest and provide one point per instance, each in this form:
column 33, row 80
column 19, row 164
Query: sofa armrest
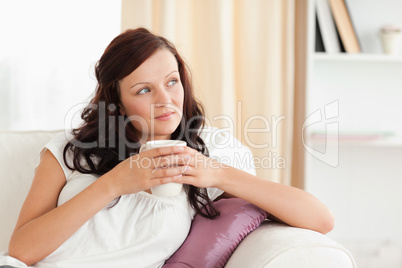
column 275, row 245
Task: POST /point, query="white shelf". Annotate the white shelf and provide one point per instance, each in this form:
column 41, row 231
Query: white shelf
column 357, row 57
column 396, row 143
column 380, row 139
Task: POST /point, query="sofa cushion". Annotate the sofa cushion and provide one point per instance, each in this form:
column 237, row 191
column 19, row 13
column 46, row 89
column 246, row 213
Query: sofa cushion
column 18, row 158
column 210, row 243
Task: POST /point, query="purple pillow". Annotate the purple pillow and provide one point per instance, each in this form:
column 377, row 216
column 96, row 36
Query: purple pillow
column 210, row 243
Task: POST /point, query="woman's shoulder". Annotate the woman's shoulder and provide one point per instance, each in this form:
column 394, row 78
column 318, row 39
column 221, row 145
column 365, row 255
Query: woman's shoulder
column 56, row 146
column 216, row 138
column 57, row 143
column 226, row 148
column 61, row 138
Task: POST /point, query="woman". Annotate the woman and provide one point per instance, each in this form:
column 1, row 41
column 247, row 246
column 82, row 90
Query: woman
column 90, row 204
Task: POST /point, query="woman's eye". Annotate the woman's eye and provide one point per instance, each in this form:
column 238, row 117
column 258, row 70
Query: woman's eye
column 172, row 82
column 144, row 90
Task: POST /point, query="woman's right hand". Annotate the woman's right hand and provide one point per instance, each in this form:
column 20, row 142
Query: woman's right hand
column 43, row 226
column 147, row 169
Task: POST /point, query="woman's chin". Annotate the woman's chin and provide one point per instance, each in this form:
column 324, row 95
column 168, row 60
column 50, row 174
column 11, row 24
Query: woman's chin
column 162, row 134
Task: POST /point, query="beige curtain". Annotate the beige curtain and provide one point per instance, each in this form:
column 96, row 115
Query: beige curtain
column 242, row 57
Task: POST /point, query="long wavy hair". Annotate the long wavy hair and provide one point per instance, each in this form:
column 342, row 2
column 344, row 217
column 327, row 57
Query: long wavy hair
column 100, row 143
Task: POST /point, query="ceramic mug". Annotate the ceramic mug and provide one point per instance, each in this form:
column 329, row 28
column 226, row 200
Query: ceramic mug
column 167, row 189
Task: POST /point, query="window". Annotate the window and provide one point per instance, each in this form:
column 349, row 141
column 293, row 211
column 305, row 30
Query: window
column 48, row 51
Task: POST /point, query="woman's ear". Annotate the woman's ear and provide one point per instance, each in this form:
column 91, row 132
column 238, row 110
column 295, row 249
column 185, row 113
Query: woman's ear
column 120, row 105
column 121, row 111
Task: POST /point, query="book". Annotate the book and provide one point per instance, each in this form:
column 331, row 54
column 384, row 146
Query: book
column 345, row 26
column 319, row 44
column 327, row 27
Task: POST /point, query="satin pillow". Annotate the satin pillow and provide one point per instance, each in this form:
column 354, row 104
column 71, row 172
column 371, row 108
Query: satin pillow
column 210, row 243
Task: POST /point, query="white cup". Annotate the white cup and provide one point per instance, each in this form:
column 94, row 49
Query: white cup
column 167, row 189
column 391, row 43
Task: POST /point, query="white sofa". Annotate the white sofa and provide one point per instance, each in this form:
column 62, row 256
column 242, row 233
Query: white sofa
column 271, row 245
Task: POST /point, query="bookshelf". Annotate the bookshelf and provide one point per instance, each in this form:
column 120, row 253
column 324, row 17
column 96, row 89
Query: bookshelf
column 367, row 88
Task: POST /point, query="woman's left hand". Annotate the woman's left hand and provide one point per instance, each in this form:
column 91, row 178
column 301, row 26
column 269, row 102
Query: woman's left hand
column 202, row 171
column 289, row 204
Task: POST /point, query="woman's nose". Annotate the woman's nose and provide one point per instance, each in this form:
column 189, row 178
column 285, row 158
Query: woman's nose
column 162, row 97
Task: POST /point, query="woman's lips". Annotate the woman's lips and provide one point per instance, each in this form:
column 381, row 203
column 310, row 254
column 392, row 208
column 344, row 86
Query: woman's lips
column 165, row 116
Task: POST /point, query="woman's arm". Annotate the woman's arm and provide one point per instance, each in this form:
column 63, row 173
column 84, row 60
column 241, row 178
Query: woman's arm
column 42, row 226
column 288, row 204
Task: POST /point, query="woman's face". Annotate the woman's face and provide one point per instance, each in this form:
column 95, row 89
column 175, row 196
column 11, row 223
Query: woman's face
column 152, row 97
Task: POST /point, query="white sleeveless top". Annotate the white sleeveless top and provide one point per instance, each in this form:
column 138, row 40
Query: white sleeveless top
column 141, row 230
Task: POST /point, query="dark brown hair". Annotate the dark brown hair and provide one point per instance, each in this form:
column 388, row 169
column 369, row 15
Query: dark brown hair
column 101, row 142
